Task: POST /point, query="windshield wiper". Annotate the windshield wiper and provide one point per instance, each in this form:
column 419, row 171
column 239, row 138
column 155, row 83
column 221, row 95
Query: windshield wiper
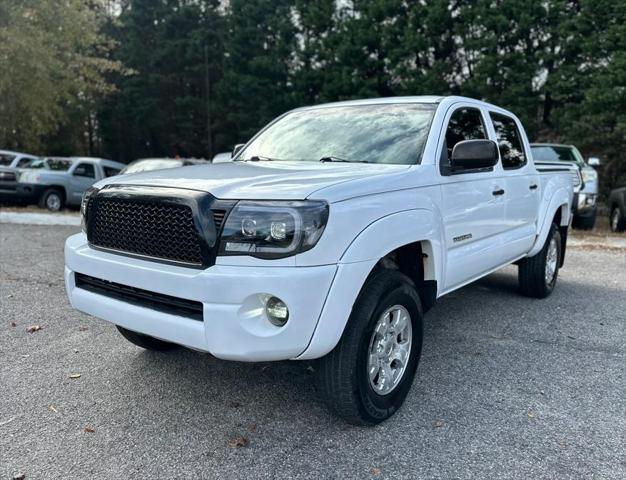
column 339, row 159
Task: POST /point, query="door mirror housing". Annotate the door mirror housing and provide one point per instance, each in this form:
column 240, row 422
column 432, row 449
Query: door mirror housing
column 593, row 162
column 238, row 148
column 474, row 154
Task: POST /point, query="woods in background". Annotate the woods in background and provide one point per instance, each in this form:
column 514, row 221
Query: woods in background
column 137, row 78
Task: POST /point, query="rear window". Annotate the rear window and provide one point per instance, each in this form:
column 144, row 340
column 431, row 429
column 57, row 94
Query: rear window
column 6, row 159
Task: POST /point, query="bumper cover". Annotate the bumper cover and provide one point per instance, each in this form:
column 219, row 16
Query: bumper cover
column 21, row 191
column 234, row 327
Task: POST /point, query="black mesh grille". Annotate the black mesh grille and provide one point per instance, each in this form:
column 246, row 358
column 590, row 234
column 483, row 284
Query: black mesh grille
column 151, row 228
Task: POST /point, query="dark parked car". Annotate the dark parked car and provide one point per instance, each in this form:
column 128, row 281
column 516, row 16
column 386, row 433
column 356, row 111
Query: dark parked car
column 617, row 209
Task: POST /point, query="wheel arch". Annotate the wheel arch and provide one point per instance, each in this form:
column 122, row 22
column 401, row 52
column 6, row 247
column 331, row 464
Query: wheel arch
column 385, row 243
column 557, row 211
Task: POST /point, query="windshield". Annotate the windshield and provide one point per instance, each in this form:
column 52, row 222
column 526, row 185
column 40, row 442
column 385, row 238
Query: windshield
column 59, row 164
column 554, row 153
column 151, row 164
column 393, row 134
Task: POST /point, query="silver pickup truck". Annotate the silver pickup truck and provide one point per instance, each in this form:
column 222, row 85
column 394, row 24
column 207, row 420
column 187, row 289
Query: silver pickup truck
column 55, row 182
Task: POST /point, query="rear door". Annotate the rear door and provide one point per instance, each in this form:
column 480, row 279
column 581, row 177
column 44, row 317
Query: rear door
column 472, row 203
column 523, row 188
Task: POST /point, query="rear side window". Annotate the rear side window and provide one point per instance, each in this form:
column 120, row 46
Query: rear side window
column 509, row 141
column 110, row 172
column 464, row 124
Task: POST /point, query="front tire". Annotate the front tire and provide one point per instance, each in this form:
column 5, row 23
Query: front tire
column 617, row 220
column 537, row 275
column 146, row 341
column 52, row 199
column 367, row 376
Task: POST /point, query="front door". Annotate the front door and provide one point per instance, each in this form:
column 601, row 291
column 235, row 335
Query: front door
column 83, row 177
column 472, row 204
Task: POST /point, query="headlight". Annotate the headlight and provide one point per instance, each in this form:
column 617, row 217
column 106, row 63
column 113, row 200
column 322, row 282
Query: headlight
column 89, row 193
column 589, row 175
column 273, row 229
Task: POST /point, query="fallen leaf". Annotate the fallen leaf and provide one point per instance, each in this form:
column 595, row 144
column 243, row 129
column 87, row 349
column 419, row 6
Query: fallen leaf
column 252, row 428
column 238, row 441
column 52, row 409
column 33, row 328
column 82, row 329
column 563, row 444
column 19, row 476
column 375, row 471
column 13, row 324
column 88, row 429
column 75, row 375
column 438, row 424
column 531, row 414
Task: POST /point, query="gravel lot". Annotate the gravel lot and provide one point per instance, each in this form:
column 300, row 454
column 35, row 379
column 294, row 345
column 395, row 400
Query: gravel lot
column 508, row 387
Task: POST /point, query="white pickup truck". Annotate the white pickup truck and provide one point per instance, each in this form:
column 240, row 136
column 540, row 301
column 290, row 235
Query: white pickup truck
column 327, row 237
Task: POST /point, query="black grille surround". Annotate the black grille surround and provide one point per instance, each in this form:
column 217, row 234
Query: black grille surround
column 143, row 298
column 163, row 224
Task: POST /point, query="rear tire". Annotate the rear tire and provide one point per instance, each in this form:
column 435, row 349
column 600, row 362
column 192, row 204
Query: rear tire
column 52, row 199
column 367, row 376
column 617, row 222
column 538, row 274
column 146, row 341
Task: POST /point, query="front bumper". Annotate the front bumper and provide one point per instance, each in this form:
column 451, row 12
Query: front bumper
column 22, row 192
column 235, row 326
column 584, row 204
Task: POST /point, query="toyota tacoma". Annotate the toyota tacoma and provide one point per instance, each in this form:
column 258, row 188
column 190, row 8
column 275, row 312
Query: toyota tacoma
column 327, row 238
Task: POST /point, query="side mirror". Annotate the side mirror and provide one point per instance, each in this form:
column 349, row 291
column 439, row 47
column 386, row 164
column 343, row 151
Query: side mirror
column 473, row 154
column 593, row 162
column 237, row 148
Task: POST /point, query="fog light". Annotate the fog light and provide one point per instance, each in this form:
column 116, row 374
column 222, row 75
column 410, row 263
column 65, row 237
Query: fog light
column 277, row 311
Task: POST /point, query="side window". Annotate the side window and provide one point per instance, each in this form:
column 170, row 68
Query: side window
column 110, row 172
column 509, row 141
column 85, row 170
column 22, row 162
column 464, row 124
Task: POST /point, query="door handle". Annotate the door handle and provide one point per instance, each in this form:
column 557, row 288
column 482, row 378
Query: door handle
column 498, row 192
column 533, row 186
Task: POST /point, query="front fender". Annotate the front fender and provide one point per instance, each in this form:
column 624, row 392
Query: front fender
column 373, row 243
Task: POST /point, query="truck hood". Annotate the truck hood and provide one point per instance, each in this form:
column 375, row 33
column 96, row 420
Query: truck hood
column 257, row 180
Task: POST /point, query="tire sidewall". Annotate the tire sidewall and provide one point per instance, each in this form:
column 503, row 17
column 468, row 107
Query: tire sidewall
column 47, row 197
column 554, row 233
column 379, row 407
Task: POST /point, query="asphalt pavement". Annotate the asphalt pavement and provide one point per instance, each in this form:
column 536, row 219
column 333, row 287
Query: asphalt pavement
column 508, row 387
